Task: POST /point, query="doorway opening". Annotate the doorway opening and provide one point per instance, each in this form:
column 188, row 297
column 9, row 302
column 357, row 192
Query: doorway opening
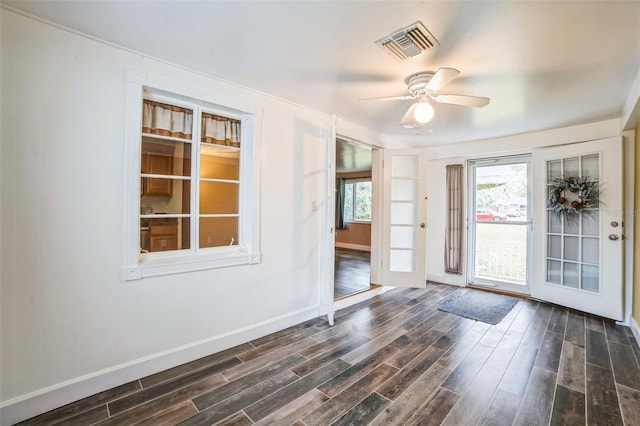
column 354, row 214
column 500, row 223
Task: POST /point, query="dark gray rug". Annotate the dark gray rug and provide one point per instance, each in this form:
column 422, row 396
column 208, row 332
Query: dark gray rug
column 480, row 305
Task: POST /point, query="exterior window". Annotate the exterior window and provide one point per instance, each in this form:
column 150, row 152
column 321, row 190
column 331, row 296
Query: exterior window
column 357, row 201
column 192, row 184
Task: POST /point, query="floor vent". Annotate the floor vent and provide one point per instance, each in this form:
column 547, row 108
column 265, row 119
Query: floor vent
column 408, row 41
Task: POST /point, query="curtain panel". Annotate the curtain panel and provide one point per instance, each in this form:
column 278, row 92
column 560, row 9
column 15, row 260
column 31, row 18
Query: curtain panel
column 220, row 130
column 340, row 194
column 166, row 120
column 453, row 231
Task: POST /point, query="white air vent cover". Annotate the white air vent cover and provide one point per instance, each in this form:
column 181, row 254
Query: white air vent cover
column 408, row 41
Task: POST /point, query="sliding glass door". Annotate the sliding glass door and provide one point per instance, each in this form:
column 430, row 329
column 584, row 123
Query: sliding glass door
column 500, row 223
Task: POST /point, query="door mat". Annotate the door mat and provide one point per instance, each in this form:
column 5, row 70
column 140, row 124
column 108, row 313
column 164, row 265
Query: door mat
column 480, row 305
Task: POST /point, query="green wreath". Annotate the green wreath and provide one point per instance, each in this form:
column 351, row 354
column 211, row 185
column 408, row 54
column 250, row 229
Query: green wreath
column 586, row 189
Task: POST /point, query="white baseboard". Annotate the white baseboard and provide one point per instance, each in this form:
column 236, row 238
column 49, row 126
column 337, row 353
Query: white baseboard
column 443, row 279
column 635, row 329
column 32, row 404
column 353, row 246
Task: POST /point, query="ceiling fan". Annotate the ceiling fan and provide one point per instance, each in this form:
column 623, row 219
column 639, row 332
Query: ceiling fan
column 424, row 86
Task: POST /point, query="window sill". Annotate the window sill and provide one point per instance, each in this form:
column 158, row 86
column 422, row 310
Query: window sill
column 181, row 263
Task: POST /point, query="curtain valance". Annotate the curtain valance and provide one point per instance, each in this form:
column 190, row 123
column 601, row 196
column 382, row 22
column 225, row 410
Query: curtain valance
column 220, row 130
column 166, row 120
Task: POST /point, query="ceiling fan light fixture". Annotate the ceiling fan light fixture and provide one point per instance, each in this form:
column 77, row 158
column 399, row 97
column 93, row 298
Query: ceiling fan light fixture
column 423, row 112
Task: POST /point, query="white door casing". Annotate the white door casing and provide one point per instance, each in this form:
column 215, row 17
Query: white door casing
column 404, row 218
column 578, row 263
column 514, row 274
column 328, row 239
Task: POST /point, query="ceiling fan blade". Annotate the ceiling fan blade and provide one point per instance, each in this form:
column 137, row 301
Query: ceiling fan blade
column 441, row 77
column 472, row 101
column 408, row 117
column 389, row 98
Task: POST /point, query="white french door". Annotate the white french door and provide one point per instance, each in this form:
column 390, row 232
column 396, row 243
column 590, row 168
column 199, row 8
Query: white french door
column 578, row 259
column 404, row 219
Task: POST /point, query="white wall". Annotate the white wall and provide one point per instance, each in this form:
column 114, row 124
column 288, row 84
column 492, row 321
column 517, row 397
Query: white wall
column 66, row 315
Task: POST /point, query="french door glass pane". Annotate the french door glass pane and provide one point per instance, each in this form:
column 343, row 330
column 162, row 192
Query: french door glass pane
column 554, row 222
column 570, row 166
column 590, row 250
column 590, row 279
column 572, row 226
column 403, row 166
column 590, row 165
column 555, row 246
column 554, row 169
column 571, row 248
column 402, row 261
column 570, row 274
column 402, row 213
column 553, row 271
column 590, row 223
column 402, row 237
column 404, row 189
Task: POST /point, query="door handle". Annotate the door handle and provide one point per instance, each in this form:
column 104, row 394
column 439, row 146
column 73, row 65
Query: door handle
column 613, row 237
column 422, row 225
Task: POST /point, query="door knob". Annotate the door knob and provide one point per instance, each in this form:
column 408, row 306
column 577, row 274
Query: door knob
column 422, row 225
column 613, row 237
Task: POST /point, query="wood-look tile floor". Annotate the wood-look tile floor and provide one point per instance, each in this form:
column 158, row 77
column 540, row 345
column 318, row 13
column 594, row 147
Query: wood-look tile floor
column 397, row 360
column 352, row 272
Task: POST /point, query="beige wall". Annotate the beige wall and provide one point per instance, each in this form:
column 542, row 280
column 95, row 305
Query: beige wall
column 636, row 237
column 356, row 233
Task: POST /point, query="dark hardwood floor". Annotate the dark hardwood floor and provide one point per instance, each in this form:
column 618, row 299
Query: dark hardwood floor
column 395, row 359
column 352, row 272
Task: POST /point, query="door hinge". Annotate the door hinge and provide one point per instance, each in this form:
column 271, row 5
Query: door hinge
column 381, row 263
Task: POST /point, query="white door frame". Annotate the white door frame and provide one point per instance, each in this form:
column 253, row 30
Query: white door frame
column 328, row 227
column 328, row 304
column 471, row 199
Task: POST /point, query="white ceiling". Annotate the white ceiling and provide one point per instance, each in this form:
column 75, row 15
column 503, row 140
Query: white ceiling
column 543, row 64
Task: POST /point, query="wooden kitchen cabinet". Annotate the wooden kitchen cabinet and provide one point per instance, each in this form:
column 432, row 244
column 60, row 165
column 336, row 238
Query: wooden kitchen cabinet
column 157, row 159
column 163, row 237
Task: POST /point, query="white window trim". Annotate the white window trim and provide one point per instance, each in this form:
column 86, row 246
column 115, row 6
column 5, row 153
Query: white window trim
column 354, row 181
column 137, row 266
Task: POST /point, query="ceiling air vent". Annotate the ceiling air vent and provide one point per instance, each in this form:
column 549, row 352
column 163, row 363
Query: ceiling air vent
column 408, row 41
